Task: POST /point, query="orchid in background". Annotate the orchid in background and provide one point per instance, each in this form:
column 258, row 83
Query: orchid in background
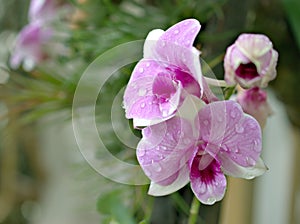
column 169, row 71
column 30, row 46
column 250, row 61
column 220, row 140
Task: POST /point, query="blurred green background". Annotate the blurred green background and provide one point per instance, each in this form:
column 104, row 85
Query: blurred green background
column 37, row 153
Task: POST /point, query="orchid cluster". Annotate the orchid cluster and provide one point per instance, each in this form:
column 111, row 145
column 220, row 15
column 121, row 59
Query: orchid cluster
column 189, row 135
column 30, row 46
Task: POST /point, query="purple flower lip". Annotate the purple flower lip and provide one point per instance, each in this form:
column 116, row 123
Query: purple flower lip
column 247, row 71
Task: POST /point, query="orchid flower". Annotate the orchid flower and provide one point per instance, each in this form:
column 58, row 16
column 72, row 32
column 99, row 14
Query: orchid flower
column 220, row 139
column 250, row 61
column 29, row 47
column 169, row 71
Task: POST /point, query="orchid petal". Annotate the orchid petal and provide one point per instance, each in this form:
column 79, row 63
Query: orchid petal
column 209, row 184
column 164, row 149
column 175, row 47
column 140, row 102
column 225, row 127
column 231, row 168
column 150, row 43
column 181, row 180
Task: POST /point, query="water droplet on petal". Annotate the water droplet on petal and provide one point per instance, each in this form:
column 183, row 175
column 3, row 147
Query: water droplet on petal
column 187, row 43
column 163, row 43
column 163, row 147
column 142, row 92
column 255, row 145
column 220, row 119
column 236, row 150
column 233, row 113
column 250, row 161
column 157, row 167
column 193, row 31
column 143, row 105
column 211, row 200
column 186, row 141
column 239, row 129
column 202, row 189
column 141, row 152
column 176, row 31
column 141, row 70
column 165, row 113
column 186, row 23
column 205, row 122
column 147, row 64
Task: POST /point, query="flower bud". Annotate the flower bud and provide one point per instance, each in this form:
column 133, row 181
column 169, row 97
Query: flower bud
column 250, row 61
column 254, row 102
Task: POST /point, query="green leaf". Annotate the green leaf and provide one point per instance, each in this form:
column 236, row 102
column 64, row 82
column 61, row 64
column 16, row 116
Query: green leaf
column 111, row 204
column 292, row 9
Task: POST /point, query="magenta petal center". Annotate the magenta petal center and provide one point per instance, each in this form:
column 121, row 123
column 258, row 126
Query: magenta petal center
column 208, row 174
column 247, row 71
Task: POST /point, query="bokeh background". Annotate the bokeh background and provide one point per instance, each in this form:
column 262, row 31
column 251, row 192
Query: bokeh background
column 44, row 177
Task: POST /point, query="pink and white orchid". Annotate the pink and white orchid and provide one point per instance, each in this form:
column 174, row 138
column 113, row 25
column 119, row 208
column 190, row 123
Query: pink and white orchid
column 219, row 140
column 30, row 46
column 169, row 71
column 250, row 61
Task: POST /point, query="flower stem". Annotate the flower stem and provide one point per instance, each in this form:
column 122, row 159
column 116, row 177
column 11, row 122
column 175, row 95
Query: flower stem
column 194, row 211
column 216, row 82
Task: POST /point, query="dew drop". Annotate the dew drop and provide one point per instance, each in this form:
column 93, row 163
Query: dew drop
column 186, row 141
column 225, row 148
column 165, row 113
column 202, row 189
column 187, row 43
column 193, row 31
column 163, row 147
column 250, row 161
column 176, row 31
column 186, row 23
column 239, row 129
column 233, row 113
column 236, row 150
column 141, row 70
column 211, row 200
column 255, row 145
column 142, row 152
column 143, row 105
column 163, row 43
column 147, row 64
column 157, row 167
column 220, row 119
column 205, row 122
column 142, row 92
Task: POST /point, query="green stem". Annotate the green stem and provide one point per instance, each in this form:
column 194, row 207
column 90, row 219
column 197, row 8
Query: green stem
column 194, row 211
